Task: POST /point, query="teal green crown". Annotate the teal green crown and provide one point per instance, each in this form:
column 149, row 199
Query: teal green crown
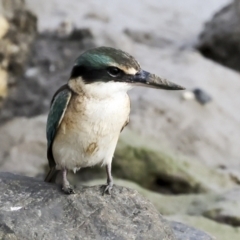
column 105, row 56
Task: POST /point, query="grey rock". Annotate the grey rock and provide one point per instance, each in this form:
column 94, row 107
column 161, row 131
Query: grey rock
column 218, row 231
column 202, row 96
column 184, row 232
column 188, row 209
column 31, row 209
column 220, row 38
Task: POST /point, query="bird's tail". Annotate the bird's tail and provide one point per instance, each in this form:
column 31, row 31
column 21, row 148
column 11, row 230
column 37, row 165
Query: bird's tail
column 51, row 176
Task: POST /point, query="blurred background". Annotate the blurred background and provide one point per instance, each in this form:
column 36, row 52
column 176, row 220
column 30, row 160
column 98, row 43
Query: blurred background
column 181, row 149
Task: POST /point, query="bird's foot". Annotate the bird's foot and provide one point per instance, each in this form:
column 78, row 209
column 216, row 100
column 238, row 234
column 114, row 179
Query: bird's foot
column 108, row 188
column 68, row 189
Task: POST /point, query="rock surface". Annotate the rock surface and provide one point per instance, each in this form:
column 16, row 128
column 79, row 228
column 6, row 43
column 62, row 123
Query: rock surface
column 201, row 208
column 220, row 39
column 32, row 209
column 188, row 233
column 219, row 231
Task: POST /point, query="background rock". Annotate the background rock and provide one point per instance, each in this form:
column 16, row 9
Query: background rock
column 226, row 209
column 220, row 39
column 178, row 22
column 20, row 27
column 18, row 30
column 23, row 146
column 48, row 68
column 160, row 115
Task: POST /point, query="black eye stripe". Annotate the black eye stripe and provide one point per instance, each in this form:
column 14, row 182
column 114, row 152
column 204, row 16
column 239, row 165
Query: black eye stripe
column 104, row 74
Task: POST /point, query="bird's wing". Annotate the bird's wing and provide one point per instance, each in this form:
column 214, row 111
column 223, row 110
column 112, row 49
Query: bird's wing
column 58, row 107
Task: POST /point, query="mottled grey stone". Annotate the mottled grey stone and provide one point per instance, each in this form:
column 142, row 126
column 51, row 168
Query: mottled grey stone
column 184, row 232
column 32, row 209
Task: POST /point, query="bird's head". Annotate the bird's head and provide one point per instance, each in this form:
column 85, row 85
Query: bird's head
column 113, row 70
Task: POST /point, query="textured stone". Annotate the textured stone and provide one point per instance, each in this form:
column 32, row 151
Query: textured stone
column 184, row 232
column 31, row 209
column 216, row 230
column 191, row 209
column 220, row 39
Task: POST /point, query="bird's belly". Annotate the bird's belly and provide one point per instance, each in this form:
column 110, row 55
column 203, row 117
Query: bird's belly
column 89, row 136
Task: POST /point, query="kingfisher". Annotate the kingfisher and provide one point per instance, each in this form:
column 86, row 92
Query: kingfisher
column 88, row 113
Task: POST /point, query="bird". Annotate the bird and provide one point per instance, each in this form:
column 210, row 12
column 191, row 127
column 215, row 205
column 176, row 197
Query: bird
column 88, row 113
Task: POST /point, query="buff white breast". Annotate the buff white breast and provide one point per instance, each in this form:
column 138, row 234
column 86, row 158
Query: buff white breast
column 90, row 129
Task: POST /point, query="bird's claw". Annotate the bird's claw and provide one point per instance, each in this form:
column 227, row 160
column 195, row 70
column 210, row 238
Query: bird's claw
column 68, row 190
column 108, row 188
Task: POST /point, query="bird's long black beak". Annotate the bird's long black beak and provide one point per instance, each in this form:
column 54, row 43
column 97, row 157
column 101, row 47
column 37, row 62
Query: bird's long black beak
column 146, row 79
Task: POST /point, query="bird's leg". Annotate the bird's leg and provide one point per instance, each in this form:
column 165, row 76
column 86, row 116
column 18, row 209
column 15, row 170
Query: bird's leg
column 66, row 185
column 109, row 185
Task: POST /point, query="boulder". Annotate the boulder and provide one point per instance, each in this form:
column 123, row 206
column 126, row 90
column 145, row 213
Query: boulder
column 181, row 204
column 193, row 209
column 32, row 209
column 222, row 207
column 220, row 39
column 184, row 232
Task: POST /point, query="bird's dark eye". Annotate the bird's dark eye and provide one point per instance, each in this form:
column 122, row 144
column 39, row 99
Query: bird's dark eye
column 114, row 71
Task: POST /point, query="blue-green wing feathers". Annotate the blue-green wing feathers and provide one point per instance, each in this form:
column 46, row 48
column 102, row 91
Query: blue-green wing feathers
column 58, row 107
